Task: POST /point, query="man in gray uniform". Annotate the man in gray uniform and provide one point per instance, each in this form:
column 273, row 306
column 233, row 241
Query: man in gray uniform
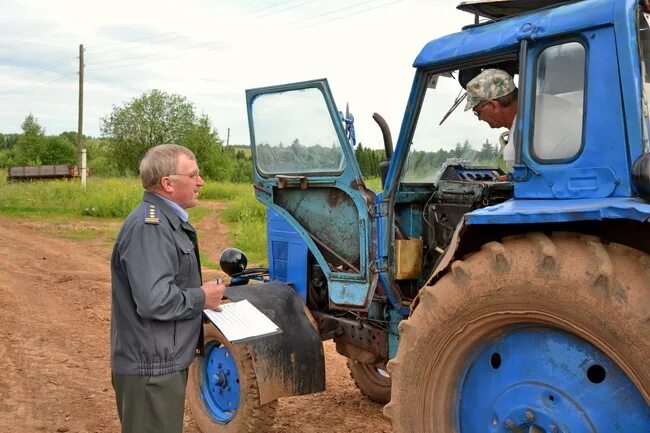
column 157, row 295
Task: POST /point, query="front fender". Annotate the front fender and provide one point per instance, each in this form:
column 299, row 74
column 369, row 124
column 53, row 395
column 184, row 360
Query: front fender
column 292, row 362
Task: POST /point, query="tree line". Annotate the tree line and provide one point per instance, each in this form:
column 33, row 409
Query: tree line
column 127, row 132
column 157, row 117
column 369, row 159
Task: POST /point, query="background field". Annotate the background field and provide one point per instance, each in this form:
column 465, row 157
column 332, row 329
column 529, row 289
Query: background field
column 63, row 201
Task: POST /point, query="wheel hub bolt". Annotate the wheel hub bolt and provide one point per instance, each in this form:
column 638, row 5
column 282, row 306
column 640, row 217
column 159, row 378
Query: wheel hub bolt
column 509, row 424
column 530, row 416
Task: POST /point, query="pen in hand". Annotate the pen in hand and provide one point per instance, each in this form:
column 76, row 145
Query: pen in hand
column 213, row 294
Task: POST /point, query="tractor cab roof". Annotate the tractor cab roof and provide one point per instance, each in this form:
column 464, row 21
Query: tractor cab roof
column 506, row 34
column 496, row 9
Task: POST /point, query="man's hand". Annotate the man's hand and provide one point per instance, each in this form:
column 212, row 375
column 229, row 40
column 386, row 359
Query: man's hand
column 213, row 293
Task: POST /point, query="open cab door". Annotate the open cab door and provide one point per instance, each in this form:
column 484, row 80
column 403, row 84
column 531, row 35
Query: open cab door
column 305, row 171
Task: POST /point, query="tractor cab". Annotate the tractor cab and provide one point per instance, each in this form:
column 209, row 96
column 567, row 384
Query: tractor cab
column 567, row 157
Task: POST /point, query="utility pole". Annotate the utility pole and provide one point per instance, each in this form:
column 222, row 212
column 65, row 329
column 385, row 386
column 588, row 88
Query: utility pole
column 81, row 108
column 228, row 137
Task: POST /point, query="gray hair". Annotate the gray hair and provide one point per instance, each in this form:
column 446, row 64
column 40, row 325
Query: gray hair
column 161, row 161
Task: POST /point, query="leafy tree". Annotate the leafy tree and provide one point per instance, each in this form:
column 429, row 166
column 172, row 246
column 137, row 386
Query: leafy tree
column 58, row 150
column 7, row 141
column 100, row 157
column 204, row 141
column 30, row 146
column 154, row 118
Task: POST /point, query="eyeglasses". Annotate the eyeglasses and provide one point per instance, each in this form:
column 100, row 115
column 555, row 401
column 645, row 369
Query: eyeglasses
column 193, row 176
column 478, row 108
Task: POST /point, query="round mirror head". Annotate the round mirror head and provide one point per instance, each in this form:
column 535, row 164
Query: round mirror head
column 233, row 261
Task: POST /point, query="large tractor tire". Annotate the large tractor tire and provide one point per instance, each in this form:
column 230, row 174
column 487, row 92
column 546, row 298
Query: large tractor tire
column 537, row 334
column 372, row 380
column 222, row 389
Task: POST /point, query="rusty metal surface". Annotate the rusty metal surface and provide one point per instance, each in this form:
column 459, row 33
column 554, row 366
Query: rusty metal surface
column 330, row 214
column 354, row 337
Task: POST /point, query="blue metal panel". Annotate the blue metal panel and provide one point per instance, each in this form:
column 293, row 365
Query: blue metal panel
column 630, row 70
column 394, row 318
column 556, row 211
column 602, row 167
column 287, row 253
column 505, row 34
column 383, row 240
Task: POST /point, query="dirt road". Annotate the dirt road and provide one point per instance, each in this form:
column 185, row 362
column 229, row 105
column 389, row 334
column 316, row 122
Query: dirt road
column 54, row 337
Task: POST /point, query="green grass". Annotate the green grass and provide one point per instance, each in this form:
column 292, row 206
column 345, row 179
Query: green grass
column 104, row 198
column 66, row 201
column 246, row 218
column 374, row 183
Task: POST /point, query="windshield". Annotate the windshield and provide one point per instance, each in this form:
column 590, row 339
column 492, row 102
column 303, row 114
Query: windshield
column 462, row 135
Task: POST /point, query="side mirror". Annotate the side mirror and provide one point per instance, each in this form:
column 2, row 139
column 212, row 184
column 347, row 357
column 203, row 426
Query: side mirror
column 233, row 261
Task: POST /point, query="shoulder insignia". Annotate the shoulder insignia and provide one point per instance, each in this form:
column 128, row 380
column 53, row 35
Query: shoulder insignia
column 151, row 215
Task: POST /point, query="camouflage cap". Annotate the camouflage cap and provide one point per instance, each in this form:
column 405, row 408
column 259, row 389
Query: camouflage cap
column 489, row 84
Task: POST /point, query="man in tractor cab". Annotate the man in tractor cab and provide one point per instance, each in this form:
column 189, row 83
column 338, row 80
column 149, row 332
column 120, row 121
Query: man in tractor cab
column 557, row 119
column 492, row 95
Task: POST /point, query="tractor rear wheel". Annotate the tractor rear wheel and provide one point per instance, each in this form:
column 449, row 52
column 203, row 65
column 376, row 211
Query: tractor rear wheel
column 536, row 333
column 372, row 380
column 222, row 389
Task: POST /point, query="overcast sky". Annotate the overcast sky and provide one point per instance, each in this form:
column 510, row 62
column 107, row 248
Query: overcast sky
column 210, row 51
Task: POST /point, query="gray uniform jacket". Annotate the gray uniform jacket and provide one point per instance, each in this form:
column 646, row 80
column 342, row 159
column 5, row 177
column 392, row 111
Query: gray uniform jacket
column 157, row 301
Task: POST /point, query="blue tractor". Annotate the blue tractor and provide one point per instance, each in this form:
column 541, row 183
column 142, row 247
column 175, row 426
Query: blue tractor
column 467, row 297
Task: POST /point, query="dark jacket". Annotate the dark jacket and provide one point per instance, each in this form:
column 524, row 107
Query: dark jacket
column 157, row 300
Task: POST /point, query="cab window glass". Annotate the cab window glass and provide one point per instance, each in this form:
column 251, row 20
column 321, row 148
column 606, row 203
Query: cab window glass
column 559, row 102
column 295, row 134
column 447, row 132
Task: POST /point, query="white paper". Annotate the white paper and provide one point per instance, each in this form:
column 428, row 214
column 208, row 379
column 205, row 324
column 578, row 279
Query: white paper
column 240, row 321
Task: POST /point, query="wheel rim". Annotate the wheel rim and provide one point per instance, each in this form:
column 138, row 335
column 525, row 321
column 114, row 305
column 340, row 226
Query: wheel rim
column 542, row 380
column 220, row 385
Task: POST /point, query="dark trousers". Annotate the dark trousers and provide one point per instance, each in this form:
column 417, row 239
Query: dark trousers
column 150, row 404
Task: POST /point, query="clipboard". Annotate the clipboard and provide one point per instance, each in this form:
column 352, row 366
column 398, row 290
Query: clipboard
column 241, row 321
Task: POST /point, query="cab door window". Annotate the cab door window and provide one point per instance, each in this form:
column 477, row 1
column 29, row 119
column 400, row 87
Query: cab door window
column 559, row 103
column 294, row 134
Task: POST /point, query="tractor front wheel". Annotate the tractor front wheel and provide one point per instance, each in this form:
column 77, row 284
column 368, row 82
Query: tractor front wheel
column 222, row 389
column 535, row 333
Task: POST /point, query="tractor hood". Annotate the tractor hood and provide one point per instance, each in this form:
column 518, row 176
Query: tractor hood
column 496, row 9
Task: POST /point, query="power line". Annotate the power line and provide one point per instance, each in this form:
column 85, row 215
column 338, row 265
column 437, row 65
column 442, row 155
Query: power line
column 34, row 74
column 352, row 14
column 332, row 11
column 11, row 93
column 148, row 56
column 136, row 40
column 285, row 9
column 263, row 9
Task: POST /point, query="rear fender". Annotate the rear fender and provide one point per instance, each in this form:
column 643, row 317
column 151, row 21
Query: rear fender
column 292, row 362
column 470, row 237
